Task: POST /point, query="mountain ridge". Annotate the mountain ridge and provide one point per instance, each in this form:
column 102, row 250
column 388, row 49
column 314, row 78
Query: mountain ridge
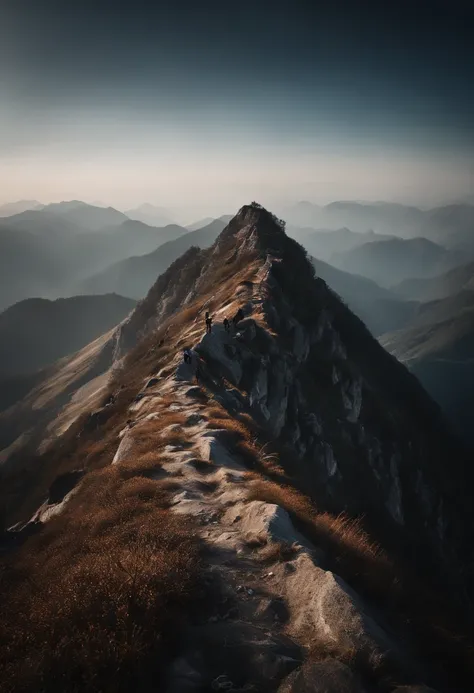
column 297, row 395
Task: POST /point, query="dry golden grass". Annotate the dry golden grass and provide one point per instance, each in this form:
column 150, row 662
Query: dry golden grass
column 349, row 547
column 93, row 603
column 404, row 600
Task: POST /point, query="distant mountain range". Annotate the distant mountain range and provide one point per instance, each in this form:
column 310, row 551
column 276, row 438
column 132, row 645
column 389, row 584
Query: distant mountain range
column 380, row 309
column 324, row 243
column 390, row 261
column 440, row 286
column 449, row 225
column 438, row 347
column 151, row 215
column 47, row 252
column 36, row 332
column 11, row 208
column 134, row 276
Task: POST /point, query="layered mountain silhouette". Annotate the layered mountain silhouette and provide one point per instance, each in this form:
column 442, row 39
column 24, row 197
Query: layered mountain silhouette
column 389, row 262
column 441, row 286
column 135, row 275
column 380, row 309
column 437, row 344
column 449, row 225
column 151, row 215
column 225, row 475
column 36, row 332
column 49, row 252
column 324, row 243
column 89, row 217
column 10, row 208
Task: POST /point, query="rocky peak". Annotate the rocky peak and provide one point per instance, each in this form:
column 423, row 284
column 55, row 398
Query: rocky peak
column 254, row 227
column 366, row 437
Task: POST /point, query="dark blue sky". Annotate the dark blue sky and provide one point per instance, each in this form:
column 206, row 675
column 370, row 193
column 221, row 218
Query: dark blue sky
column 336, row 78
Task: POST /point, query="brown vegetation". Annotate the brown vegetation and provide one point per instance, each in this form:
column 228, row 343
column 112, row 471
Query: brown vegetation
column 351, row 551
column 354, row 556
column 94, row 602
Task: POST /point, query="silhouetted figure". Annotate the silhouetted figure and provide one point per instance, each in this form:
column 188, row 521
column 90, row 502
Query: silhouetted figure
column 238, row 317
column 208, row 323
column 187, row 356
column 226, row 325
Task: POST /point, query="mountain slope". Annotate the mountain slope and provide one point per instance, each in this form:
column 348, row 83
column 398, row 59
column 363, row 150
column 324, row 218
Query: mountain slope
column 380, row 309
column 28, row 266
column 195, row 483
column 441, row 286
column 135, row 275
column 324, row 243
column 86, row 216
column 448, row 225
column 42, row 223
column 381, row 217
column 36, row 332
column 438, row 347
column 10, row 208
column 150, row 214
column 389, row 262
column 47, row 254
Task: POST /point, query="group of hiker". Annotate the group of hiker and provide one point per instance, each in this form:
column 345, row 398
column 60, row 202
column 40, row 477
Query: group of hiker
column 187, row 353
column 235, row 320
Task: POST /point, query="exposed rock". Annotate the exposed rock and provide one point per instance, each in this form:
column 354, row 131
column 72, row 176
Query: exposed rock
column 265, row 522
column 212, row 347
column 328, row 676
column 394, row 501
column 213, row 450
column 63, row 484
column 193, row 419
column 324, row 607
column 124, row 449
column 242, row 654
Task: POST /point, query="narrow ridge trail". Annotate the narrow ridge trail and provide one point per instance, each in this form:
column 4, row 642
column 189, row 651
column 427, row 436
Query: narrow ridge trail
column 275, row 600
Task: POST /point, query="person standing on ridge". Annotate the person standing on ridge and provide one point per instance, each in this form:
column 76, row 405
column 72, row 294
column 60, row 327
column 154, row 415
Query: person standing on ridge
column 208, row 323
column 226, row 325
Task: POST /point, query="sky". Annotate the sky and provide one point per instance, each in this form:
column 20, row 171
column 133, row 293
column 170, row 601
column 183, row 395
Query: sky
column 208, row 105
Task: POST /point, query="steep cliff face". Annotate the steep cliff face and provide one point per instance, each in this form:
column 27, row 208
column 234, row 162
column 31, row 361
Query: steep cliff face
column 364, row 436
column 368, row 438
column 294, row 402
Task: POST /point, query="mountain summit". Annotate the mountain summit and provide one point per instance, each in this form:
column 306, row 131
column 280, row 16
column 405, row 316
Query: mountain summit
column 216, row 500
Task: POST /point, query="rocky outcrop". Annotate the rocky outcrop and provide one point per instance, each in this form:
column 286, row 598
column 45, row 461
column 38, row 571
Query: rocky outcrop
column 317, row 381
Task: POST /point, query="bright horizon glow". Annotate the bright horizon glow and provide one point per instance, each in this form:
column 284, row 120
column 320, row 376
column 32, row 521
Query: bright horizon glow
column 205, row 111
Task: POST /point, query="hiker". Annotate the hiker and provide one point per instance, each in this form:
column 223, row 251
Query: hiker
column 226, row 325
column 208, row 323
column 187, row 356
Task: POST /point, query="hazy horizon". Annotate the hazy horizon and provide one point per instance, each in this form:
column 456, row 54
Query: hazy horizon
column 205, row 108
